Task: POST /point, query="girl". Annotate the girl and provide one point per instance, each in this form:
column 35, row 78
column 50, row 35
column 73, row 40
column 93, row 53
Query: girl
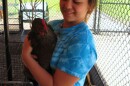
column 75, row 52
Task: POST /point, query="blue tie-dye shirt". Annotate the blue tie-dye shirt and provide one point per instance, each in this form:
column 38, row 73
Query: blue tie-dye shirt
column 75, row 51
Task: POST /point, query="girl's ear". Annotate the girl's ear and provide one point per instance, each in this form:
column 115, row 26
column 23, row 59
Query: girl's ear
column 89, row 9
column 92, row 4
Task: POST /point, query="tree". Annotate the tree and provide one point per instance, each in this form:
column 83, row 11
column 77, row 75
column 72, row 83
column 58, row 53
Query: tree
column 29, row 8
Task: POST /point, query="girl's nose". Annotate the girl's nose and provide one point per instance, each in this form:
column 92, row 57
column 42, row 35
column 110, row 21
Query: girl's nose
column 68, row 4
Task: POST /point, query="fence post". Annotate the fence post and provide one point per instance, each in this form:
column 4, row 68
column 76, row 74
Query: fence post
column 6, row 32
column 43, row 9
column 95, row 20
column 99, row 16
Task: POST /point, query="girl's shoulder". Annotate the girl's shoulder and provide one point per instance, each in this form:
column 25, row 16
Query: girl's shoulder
column 55, row 24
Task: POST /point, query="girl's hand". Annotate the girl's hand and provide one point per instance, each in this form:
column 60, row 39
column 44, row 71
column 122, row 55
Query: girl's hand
column 40, row 74
column 34, row 57
column 27, row 49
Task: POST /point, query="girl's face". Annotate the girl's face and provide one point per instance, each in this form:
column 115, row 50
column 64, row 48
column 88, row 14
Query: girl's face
column 74, row 11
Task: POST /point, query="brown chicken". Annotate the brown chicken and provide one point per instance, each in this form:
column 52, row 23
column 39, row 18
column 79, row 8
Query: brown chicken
column 43, row 41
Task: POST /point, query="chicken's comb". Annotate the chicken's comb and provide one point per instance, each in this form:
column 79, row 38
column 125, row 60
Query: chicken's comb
column 44, row 24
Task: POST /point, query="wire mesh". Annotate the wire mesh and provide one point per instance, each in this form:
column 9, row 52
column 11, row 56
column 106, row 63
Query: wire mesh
column 54, row 10
column 15, row 45
column 15, row 83
column 113, row 43
column 13, row 19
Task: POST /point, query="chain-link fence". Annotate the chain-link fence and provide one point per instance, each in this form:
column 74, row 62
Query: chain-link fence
column 112, row 35
column 110, row 24
column 12, row 16
column 11, row 67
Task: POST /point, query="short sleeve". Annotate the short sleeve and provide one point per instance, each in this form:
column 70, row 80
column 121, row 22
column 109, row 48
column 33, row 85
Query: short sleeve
column 54, row 24
column 77, row 58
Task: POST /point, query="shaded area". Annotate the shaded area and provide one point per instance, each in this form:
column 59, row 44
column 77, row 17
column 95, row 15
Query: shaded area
column 15, row 47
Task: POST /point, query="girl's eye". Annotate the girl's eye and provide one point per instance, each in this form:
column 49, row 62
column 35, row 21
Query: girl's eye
column 64, row 0
column 77, row 1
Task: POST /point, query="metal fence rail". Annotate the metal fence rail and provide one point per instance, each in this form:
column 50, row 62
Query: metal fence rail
column 13, row 19
column 15, row 83
column 16, row 76
column 112, row 35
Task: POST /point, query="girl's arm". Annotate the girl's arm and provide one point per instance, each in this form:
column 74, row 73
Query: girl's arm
column 60, row 78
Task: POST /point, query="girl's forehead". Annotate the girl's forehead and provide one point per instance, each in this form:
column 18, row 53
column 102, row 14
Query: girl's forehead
column 80, row 0
column 76, row 0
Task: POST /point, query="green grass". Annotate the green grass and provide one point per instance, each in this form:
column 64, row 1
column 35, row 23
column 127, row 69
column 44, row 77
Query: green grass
column 117, row 1
column 53, row 6
column 119, row 11
column 53, row 3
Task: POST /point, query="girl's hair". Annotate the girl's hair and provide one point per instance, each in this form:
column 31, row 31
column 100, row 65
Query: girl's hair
column 91, row 6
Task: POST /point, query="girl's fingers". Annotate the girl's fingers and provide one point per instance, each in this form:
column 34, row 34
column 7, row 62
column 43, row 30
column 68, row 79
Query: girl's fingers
column 34, row 56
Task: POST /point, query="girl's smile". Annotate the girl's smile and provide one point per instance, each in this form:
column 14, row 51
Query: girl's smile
column 73, row 10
